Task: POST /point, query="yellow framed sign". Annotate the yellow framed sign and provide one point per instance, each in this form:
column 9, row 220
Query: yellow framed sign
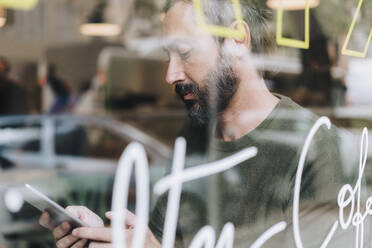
column 18, row 4
column 220, row 30
column 353, row 53
column 280, row 40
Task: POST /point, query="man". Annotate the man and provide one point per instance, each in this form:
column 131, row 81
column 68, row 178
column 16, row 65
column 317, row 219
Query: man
column 11, row 92
column 225, row 95
column 61, row 91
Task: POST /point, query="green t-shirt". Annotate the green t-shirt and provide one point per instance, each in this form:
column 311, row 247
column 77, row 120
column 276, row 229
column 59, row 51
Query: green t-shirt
column 258, row 193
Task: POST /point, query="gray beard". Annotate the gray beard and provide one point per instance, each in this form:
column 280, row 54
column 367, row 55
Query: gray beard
column 222, row 84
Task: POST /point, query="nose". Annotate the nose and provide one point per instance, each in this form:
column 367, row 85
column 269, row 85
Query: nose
column 175, row 71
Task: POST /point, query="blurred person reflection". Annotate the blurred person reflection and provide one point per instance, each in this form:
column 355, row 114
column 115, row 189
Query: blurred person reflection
column 316, row 75
column 13, row 97
column 338, row 69
column 84, row 101
column 315, row 83
column 230, row 108
column 61, row 91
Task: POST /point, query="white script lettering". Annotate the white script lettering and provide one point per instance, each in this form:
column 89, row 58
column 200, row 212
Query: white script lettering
column 135, row 154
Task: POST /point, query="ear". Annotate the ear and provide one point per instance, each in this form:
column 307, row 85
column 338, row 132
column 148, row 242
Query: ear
column 246, row 40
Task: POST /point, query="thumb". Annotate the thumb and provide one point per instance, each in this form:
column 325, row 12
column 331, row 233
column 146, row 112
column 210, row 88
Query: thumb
column 108, row 215
column 130, row 218
column 85, row 215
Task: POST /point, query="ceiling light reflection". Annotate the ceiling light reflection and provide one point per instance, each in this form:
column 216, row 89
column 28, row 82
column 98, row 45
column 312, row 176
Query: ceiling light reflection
column 292, row 4
column 100, row 29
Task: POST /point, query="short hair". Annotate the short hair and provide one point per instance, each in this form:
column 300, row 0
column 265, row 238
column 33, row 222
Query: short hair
column 255, row 14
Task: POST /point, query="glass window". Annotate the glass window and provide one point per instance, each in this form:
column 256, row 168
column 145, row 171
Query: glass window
column 77, row 139
column 21, row 136
column 20, row 141
column 253, row 116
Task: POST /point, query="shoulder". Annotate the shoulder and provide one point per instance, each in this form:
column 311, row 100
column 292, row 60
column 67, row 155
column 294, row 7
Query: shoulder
column 301, row 119
column 333, row 150
column 325, row 150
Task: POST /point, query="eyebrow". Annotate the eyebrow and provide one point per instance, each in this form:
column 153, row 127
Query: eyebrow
column 174, row 44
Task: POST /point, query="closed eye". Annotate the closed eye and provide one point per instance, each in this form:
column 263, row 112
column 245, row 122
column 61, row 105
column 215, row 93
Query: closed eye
column 184, row 55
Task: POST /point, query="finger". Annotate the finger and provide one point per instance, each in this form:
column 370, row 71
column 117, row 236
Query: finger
column 129, row 237
column 108, row 215
column 99, row 245
column 93, row 233
column 74, row 210
column 80, row 244
column 61, row 230
column 130, row 218
column 45, row 220
column 86, row 215
column 66, row 241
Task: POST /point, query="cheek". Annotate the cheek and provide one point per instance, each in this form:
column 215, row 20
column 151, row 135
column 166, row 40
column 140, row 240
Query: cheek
column 199, row 67
column 197, row 73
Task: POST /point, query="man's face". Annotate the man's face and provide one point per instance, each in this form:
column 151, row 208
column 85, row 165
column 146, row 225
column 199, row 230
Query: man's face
column 203, row 77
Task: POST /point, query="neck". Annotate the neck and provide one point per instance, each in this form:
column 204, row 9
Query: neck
column 250, row 106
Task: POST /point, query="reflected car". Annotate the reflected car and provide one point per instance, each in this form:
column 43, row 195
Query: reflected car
column 72, row 159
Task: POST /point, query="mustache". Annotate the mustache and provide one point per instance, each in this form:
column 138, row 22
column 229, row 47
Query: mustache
column 183, row 89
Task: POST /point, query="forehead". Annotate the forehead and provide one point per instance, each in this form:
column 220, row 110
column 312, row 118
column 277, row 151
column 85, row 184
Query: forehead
column 180, row 24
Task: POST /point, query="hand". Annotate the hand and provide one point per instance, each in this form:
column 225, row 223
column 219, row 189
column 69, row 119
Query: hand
column 62, row 233
column 104, row 237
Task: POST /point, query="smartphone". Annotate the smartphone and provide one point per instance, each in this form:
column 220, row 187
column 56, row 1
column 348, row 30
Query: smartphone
column 57, row 213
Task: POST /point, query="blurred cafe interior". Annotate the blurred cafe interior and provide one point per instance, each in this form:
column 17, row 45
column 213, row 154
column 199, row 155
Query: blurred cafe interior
column 80, row 80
